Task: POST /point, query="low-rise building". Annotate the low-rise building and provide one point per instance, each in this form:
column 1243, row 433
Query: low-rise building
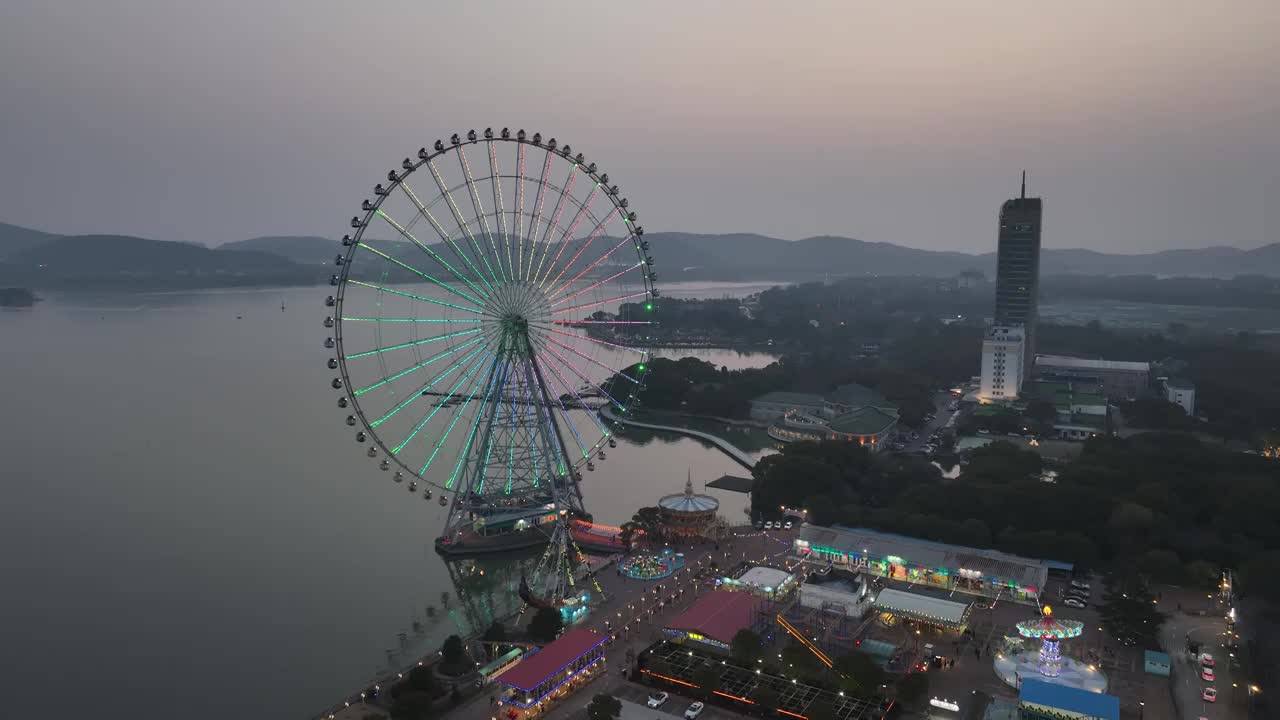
column 1119, row 380
column 1181, row 392
column 551, row 674
column 924, row 562
column 1040, row 700
column 773, row 405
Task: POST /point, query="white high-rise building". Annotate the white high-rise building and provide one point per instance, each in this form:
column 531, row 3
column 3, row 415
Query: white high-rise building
column 1002, row 363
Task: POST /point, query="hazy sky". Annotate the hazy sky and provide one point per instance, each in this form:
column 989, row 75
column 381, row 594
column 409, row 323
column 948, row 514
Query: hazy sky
column 1145, row 124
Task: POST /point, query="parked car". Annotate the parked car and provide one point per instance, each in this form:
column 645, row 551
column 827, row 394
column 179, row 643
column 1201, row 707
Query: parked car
column 1072, row 592
column 1206, row 674
column 1206, row 660
column 657, row 700
column 768, row 525
column 694, row 711
column 1080, row 584
column 787, row 526
column 1208, row 695
column 1075, row 603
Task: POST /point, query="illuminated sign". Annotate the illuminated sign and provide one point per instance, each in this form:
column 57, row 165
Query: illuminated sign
column 945, row 704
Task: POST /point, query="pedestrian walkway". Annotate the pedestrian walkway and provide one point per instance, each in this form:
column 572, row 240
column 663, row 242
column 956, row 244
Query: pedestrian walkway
column 725, row 446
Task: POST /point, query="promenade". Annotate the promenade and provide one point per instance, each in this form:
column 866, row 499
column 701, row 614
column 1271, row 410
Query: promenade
column 723, row 445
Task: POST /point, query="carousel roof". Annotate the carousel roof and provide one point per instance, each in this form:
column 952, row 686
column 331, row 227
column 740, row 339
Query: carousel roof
column 689, row 502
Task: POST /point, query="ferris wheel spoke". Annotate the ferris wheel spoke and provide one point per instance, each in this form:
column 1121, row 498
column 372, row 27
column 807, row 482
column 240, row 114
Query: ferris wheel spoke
column 444, row 234
column 440, row 403
column 414, row 367
column 564, row 412
column 567, row 236
column 419, row 273
column 413, row 320
column 585, row 378
column 548, row 236
column 432, row 253
column 433, row 301
column 475, row 425
column 479, row 208
column 486, row 443
column 589, row 359
column 537, row 214
column 588, row 268
column 414, row 343
column 460, row 220
column 457, row 415
column 598, row 303
column 598, row 283
column 518, row 211
column 539, row 423
column 499, row 208
column 422, row 392
column 644, row 354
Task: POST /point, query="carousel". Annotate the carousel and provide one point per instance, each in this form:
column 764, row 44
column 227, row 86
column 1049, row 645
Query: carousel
column 687, row 514
column 1020, row 659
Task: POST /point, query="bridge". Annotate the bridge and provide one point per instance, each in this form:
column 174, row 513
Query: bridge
column 723, row 445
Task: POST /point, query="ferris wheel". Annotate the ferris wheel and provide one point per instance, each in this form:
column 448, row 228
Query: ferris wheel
column 485, row 307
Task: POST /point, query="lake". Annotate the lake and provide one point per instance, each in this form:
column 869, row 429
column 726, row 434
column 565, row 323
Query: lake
column 188, row 530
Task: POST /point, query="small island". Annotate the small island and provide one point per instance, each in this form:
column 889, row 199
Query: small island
column 17, row 297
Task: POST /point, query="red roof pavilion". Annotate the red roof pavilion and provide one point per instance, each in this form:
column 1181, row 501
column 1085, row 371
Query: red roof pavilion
column 718, row 615
column 541, row 666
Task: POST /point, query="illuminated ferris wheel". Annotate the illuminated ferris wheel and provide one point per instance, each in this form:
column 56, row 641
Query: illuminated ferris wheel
column 480, row 320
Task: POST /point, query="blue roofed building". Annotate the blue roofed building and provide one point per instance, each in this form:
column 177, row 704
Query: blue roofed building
column 1039, row 700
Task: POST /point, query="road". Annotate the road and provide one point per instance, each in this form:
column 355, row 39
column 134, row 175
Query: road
column 1187, row 684
column 940, row 402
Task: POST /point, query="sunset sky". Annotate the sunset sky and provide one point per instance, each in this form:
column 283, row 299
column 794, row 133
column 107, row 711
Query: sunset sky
column 1145, row 124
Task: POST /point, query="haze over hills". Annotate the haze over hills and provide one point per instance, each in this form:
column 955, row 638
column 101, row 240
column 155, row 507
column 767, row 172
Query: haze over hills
column 31, row 258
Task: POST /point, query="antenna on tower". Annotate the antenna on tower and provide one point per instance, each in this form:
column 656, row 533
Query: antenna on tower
column 1024, row 184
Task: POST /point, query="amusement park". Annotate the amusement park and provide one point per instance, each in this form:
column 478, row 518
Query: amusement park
column 479, row 325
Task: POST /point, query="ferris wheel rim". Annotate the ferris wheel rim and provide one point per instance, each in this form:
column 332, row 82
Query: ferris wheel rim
column 546, row 328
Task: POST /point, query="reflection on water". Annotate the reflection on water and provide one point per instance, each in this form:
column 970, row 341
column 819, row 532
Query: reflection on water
column 184, row 503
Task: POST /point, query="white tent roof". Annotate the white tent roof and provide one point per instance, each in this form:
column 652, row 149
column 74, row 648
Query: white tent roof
column 947, row 611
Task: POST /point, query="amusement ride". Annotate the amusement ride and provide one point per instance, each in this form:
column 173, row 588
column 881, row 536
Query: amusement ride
column 480, row 314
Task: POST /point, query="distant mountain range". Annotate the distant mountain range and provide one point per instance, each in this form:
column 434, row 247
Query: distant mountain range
column 35, row 259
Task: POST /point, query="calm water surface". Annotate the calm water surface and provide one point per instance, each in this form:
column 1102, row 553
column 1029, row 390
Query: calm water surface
column 187, row 522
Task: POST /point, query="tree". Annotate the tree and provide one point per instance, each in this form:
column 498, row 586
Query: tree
column 1042, row 411
column 452, row 652
column 1202, row 575
column 1130, row 616
column 1163, row 566
column 707, row 679
column 412, row 706
column 421, row 679
column 546, row 625
column 746, row 647
column 604, row 707
column 496, row 634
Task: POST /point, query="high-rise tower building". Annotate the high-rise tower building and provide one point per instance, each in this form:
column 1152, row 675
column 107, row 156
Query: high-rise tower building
column 1018, row 268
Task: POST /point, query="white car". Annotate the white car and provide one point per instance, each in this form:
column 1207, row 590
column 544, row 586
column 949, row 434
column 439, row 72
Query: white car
column 694, row 711
column 1081, row 584
column 1206, row 660
column 1207, row 675
column 1073, row 602
column 1208, row 694
column 787, row 526
column 657, row 700
column 768, row 525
